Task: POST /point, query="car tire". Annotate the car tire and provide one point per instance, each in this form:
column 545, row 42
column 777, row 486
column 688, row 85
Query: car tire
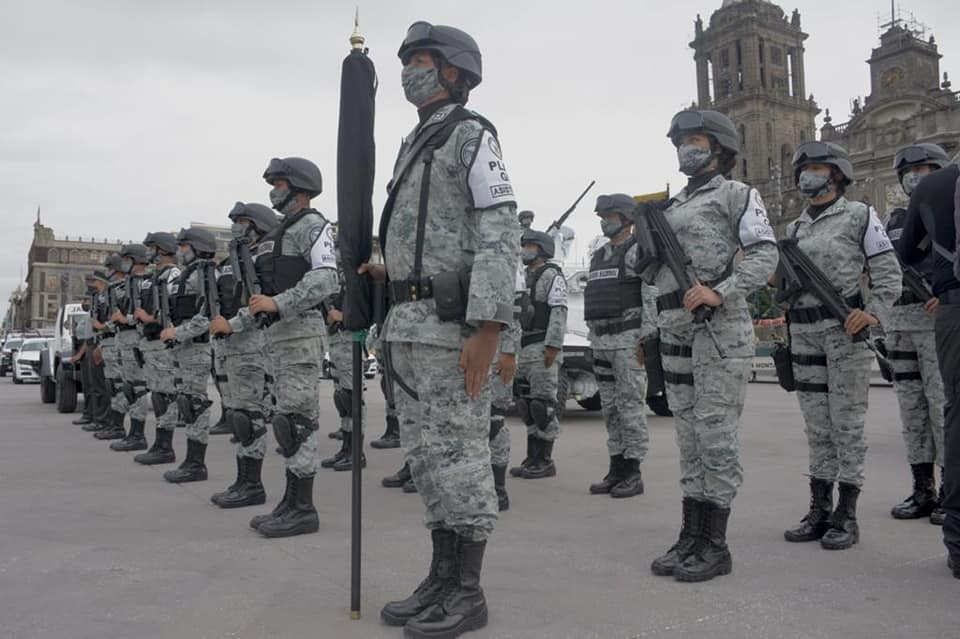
column 66, row 392
column 591, row 403
column 48, row 390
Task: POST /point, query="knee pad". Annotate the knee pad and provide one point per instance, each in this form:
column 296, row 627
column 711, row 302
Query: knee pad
column 191, row 407
column 243, row 424
column 343, row 400
column 161, row 402
column 523, row 408
column 540, row 413
column 291, row 430
column 129, row 393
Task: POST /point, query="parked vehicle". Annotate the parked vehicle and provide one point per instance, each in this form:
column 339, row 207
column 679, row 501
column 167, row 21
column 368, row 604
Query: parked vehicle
column 60, row 379
column 26, row 360
column 12, row 342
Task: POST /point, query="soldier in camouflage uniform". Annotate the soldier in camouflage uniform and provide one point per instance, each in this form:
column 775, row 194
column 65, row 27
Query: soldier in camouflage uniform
column 450, row 238
column 241, row 362
column 832, row 371
column 526, row 219
column 158, row 357
column 297, row 267
column 391, row 436
column 714, row 219
column 620, row 311
column 911, row 349
column 112, row 426
column 99, row 389
column 543, row 320
column 191, row 319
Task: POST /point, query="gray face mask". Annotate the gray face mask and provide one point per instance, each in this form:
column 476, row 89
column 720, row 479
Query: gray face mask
column 610, row 228
column 420, row 84
column 151, row 253
column 814, row 185
column 282, row 200
column 126, row 265
column 910, row 181
column 693, row 158
column 528, row 256
column 185, row 257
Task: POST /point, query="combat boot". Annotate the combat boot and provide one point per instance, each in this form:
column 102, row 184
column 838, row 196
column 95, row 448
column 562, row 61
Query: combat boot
column 924, row 498
column 939, row 514
column 431, row 590
column 222, row 427
column 844, row 530
column 516, row 471
column 815, row 523
column 409, row 486
column 247, row 490
column 631, row 483
column 664, row 565
column 193, row 467
column 330, row 462
column 391, row 436
column 463, row 607
column 398, row 479
column 299, row 518
column 346, row 462
column 84, row 419
column 95, row 425
column 500, row 484
column 161, row 452
column 133, row 441
column 542, row 464
column 114, row 428
column 710, row 557
column 289, row 495
column 611, row 479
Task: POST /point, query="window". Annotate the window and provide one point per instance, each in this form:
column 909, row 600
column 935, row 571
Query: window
column 53, row 255
column 744, row 169
column 776, row 56
column 743, row 136
column 724, row 58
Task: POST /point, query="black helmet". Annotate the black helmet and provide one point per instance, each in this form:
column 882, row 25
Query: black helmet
column 99, row 275
column 136, row 252
column 201, row 240
column 456, row 46
column 113, row 262
column 918, row 154
column 302, row 174
column 616, row 203
column 262, row 217
column 711, row 123
column 541, row 239
column 162, row 241
column 822, row 153
column 527, row 213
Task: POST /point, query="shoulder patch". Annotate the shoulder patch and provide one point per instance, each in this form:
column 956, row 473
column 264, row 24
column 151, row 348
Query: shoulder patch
column 323, row 250
column 558, row 292
column 754, row 222
column 467, row 150
column 875, row 238
column 488, row 179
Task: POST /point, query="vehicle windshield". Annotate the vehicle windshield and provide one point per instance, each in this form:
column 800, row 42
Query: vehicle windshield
column 12, row 344
column 33, row 345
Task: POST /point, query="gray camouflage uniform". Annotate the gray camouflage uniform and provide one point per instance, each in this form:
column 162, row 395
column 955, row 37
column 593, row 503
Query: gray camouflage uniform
column 501, row 397
column 832, row 371
column 193, row 362
column 706, row 391
column 112, row 351
column 159, row 364
column 129, row 341
column 340, row 348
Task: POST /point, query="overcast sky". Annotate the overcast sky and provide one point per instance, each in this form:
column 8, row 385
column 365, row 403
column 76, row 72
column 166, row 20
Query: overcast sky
column 119, row 118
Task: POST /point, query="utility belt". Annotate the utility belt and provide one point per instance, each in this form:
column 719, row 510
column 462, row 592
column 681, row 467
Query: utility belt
column 819, row 313
column 615, row 328
column 532, row 338
column 449, row 290
column 950, row 297
column 670, row 301
column 908, row 298
column 125, row 327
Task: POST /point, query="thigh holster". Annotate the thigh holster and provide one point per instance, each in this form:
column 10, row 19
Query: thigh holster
column 541, row 412
column 497, row 416
column 291, row 430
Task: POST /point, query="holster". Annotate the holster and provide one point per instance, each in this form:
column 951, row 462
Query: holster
column 653, row 363
column 886, row 371
column 783, row 362
column 451, row 292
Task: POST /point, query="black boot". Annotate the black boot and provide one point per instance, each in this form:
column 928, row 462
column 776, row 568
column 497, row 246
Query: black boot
column 222, row 427
column 815, row 523
column 114, row 429
column 289, row 495
column 844, row 530
column 346, row 462
column 542, row 465
column 161, row 452
column 710, row 557
column 664, row 565
column 83, row 420
column 193, row 467
column 939, row 514
column 612, row 478
column 95, row 425
column 344, row 451
column 247, row 490
column 391, row 436
column 516, row 471
column 500, row 484
column 398, row 479
column 409, row 486
column 924, row 498
column 299, row 518
column 463, row 608
column 133, row 441
column 632, row 483
column 431, row 590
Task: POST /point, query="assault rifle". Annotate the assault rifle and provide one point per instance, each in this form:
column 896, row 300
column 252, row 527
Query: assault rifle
column 244, row 269
column 163, row 298
column 211, row 293
column 914, row 282
column 131, row 286
column 558, row 223
column 797, row 274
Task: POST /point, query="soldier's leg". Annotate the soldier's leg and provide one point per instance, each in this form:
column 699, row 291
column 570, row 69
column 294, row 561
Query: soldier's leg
column 341, row 355
column 542, row 407
column 162, row 382
column 138, row 395
column 606, row 383
column 194, row 405
column 220, row 350
column 933, row 389
column 526, row 359
column 391, row 435
column 501, row 397
column 100, row 392
column 85, row 366
column 630, row 390
column 113, row 427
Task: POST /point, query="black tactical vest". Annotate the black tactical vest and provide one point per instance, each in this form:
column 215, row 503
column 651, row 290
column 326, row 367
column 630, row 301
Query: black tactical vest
column 535, row 313
column 228, row 289
column 185, row 305
column 278, row 272
column 609, row 291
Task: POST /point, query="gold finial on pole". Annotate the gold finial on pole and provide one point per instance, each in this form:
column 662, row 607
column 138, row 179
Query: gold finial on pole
column 356, row 39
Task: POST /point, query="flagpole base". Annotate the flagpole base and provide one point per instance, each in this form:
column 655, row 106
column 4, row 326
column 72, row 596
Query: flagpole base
column 355, row 615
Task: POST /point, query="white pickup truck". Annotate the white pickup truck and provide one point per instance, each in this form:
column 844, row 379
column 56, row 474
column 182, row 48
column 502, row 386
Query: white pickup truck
column 59, row 377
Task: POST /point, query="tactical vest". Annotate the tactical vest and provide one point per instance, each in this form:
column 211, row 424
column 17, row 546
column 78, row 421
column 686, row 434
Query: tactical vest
column 535, row 313
column 228, row 289
column 894, row 228
column 100, row 311
column 609, row 291
column 278, row 272
column 183, row 305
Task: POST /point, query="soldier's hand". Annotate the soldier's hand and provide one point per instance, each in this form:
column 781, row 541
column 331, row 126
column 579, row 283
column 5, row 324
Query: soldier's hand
column 507, row 367
column 119, row 317
column 334, row 316
column 700, row 295
column 143, row 317
column 931, row 306
column 858, row 320
column 377, row 271
column 97, row 356
column 168, row 334
column 220, row 326
column 99, row 325
column 549, row 356
column 638, row 351
column 262, row 304
column 477, row 356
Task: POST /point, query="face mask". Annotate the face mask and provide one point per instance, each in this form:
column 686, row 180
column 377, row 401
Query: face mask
column 151, row 253
column 610, row 228
column 420, row 84
column 525, row 223
column 814, row 185
column 283, row 200
column 185, row 257
column 910, row 181
column 126, row 266
column 528, row 256
column 693, row 158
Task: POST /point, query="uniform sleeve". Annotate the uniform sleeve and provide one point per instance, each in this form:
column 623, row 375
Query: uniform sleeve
column 649, row 327
column 510, row 338
column 242, row 321
column 886, row 277
column 758, row 243
column 321, row 281
column 557, row 301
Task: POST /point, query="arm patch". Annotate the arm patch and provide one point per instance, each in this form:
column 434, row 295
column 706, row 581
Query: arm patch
column 875, row 239
column 558, row 292
column 323, row 252
column 487, row 179
column 754, row 226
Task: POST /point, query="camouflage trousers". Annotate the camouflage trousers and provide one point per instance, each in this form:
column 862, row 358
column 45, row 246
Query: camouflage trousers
column 623, row 392
column 113, row 371
column 340, row 348
column 919, row 387
column 706, row 393
column 446, row 437
column 833, row 378
column 296, row 374
column 536, row 381
column 245, row 384
column 193, row 368
column 135, row 393
column 159, row 372
column 501, row 398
